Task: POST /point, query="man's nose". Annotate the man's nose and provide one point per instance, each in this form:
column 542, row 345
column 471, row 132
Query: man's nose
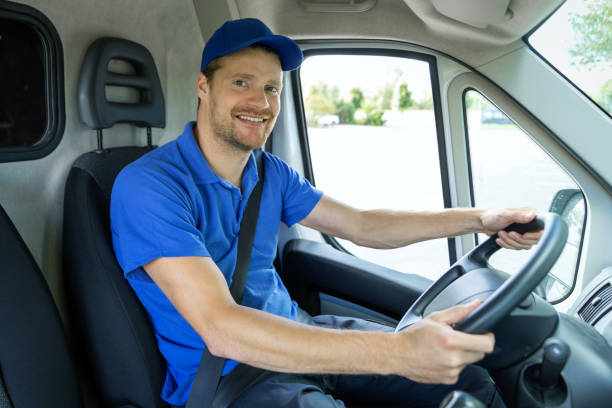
column 258, row 99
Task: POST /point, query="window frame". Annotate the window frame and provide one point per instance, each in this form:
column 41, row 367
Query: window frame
column 471, row 182
column 438, row 115
column 54, row 82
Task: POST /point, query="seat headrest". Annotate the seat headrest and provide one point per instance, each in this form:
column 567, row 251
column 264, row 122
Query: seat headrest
column 95, row 110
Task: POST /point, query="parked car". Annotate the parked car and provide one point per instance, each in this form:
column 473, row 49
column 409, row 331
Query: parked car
column 493, row 116
column 328, row 120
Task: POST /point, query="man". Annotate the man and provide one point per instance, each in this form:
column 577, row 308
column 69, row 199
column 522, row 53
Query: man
column 176, row 216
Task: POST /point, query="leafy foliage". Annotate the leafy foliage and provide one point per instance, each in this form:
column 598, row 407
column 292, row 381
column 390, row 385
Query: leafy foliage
column 319, row 103
column 385, row 97
column 424, row 104
column 357, row 98
column 345, row 111
column 357, row 108
column 605, row 96
column 405, row 97
column 594, row 33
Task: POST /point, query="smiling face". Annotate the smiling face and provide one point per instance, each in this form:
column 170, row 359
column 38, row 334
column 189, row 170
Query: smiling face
column 240, row 104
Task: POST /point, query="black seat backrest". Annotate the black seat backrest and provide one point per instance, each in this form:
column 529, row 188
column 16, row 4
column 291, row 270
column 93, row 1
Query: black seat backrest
column 35, row 363
column 116, row 334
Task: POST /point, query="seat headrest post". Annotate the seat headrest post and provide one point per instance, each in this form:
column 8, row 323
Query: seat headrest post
column 149, row 137
column 100, row 144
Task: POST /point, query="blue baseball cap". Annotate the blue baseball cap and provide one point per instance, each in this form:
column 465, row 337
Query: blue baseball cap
column 238, row 34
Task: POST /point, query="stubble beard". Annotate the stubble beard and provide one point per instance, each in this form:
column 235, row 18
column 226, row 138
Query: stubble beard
column 226, row 132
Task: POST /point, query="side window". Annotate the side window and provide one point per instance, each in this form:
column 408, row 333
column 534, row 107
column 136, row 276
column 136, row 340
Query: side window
column 373, row 144
column 31, row 101
column 510, row 170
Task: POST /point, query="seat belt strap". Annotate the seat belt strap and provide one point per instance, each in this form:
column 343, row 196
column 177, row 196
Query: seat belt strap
column 209, row 372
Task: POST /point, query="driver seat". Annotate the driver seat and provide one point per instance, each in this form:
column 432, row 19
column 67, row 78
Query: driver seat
column 115, row 335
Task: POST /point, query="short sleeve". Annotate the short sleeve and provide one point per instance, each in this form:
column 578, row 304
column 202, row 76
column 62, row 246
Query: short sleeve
column 152, row 217
column 299, row 197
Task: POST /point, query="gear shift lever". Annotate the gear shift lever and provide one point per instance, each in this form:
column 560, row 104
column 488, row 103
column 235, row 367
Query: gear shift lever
column 460, row 399
column 555, row 356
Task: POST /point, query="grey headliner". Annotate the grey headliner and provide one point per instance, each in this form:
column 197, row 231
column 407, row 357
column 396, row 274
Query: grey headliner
column 413, row 21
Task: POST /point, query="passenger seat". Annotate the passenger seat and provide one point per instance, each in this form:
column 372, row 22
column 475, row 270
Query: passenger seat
column 36, row 368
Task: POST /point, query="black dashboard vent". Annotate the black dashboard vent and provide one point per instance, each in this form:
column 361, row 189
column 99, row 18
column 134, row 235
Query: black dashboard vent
column 597, row 306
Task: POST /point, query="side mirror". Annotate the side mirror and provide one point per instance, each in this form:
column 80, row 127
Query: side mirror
column 570, row 205
column 565, row 200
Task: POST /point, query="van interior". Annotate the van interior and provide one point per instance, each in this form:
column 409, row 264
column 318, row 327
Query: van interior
column 400, row 104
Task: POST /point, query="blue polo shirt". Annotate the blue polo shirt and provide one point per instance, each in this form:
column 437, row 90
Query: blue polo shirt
column 170, row 203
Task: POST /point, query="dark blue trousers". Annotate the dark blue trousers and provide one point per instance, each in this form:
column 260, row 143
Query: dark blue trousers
column 273, row 389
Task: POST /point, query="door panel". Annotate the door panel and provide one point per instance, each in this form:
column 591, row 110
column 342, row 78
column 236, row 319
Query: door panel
column 313, row 271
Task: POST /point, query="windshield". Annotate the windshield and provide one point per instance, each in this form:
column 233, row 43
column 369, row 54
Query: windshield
column 577, row 41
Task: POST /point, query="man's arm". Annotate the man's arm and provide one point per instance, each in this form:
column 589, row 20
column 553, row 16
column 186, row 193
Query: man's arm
column 429, row 351
column 392, row 229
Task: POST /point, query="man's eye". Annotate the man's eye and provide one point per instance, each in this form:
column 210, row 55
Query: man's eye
column 240, row 82
column 272, row 89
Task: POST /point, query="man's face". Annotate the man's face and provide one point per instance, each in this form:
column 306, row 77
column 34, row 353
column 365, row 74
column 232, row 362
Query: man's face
column 243, row 99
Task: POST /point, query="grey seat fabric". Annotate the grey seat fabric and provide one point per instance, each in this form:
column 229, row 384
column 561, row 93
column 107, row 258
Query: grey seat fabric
column 115, row 336
column 35, row 362
column 4, row 399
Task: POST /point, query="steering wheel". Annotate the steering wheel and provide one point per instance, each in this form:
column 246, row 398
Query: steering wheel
column 471, row 278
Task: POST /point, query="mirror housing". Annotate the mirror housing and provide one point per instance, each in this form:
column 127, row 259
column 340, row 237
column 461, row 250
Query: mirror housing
column 564, row 201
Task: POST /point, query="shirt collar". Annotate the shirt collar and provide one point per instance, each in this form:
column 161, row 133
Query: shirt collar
column 200, row 169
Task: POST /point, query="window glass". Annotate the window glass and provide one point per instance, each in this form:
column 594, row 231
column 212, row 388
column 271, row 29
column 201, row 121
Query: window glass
column 577, row 40
column 31, row 83
column 510, row 170
column 22, row 100
column 373, row 144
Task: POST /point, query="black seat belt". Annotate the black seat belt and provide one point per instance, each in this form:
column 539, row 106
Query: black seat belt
column 211, row 367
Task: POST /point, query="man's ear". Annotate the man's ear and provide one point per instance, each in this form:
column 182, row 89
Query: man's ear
column 202, row 85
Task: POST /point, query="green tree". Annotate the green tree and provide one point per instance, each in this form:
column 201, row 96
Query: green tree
column 424, row 104
column 332, row 93
column 594, row 43
column 346, row 112
column 405, row 97
column 374, row 118
column 385, row 96
column 605, row 96
column 357, row 98
column 320, row 104
column 472, row 100
column 373, row 114
column 321, row 100
column 593, row 34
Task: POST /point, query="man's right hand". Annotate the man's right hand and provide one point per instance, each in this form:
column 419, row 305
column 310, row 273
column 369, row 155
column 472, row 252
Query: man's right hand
column 433, row 352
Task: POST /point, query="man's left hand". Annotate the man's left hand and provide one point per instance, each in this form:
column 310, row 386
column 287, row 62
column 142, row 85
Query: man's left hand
column 494, row 221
